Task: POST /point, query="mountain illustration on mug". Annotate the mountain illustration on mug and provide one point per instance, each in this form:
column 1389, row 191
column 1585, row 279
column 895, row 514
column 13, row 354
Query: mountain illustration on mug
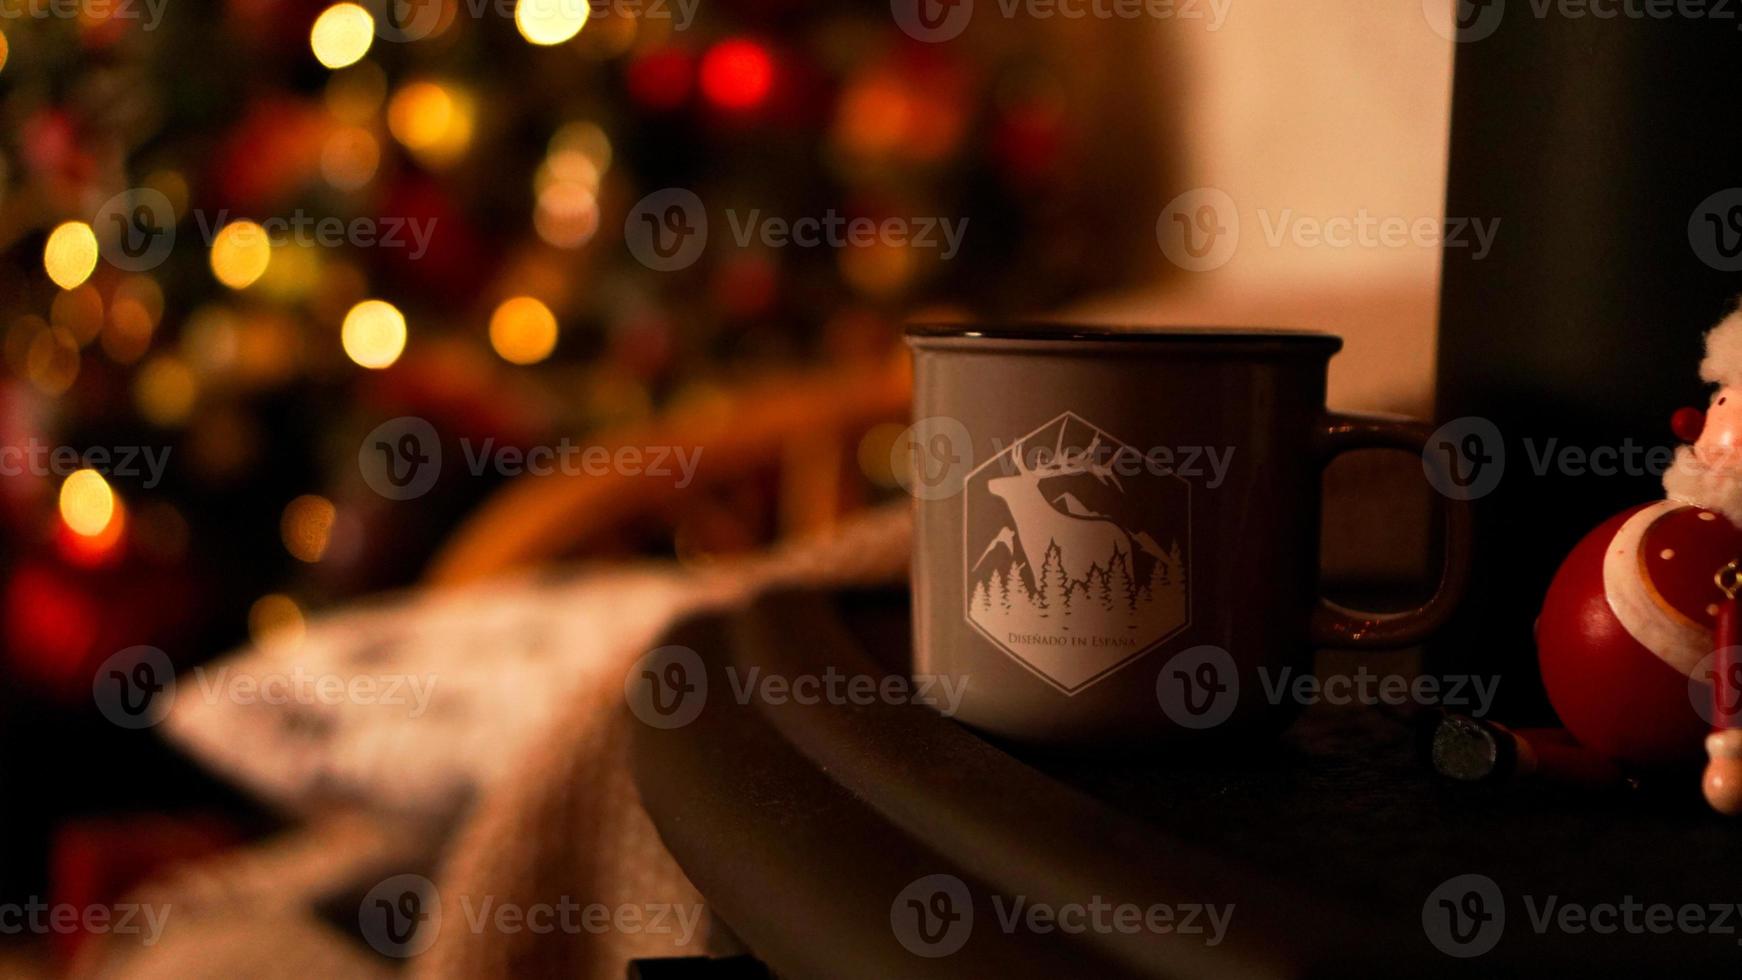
column 1072, row 577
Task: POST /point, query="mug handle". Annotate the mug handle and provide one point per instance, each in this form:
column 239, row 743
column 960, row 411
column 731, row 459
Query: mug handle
column 1334, row 626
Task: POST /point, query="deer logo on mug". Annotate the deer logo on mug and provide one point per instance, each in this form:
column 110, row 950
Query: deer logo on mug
column 1078, row 552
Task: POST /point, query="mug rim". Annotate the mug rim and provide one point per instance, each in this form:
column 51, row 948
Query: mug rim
column 1053, row 332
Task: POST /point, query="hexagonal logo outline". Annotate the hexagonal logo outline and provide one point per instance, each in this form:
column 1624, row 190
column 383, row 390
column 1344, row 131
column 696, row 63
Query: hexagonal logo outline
column 1181, row 558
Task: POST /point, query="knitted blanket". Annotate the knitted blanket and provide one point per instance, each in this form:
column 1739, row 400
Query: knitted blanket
column 456, row 763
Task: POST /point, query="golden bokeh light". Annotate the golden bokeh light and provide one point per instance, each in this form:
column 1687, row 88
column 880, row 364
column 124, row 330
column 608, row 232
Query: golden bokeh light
column 165, row 391
column 341, row 35
column 307, row 527
column 586, row 138
column 523, row 330
column 87, row 505
column 276, row 620
column 432, row 120
column 134, row 312
column 52, row 362
column 547, row 22
column 356, row 94
column 70, row 254
column 373, row 334
column 5, row 51
column 240, row 253
column 567, row 215
column 349, row 157
column 78, row 311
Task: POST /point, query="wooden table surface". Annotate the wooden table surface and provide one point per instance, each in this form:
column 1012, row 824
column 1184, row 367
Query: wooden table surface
column 807, row 827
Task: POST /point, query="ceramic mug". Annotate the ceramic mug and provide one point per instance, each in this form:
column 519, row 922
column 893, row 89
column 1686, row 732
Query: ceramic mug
column 1117, row 530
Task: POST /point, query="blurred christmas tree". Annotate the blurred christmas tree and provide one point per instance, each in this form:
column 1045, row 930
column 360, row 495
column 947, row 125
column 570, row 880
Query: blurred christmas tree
column 246, row 233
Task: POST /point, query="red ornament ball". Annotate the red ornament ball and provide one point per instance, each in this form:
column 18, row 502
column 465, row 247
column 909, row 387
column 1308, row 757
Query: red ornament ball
column 1625, row 626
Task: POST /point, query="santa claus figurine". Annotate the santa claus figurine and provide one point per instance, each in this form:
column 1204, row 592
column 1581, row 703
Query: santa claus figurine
column 1638, row 631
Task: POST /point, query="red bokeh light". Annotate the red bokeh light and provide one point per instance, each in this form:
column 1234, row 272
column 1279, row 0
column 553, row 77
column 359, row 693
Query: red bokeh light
column 660, row 80
column 737, row 74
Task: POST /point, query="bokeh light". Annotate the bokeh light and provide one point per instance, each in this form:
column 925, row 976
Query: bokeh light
column 78, row 311
column 87, row 504
column 134, row 312
column 165, row 390
column 737, row 74
column 350, row 157
column 523, row 330
column 374, row 333
column 567, row 215
column 70, row 254
column 52, row 361
column 307, row 527
column 276, row 620
column 432, row 120
column 240, row 253
column 341, row 35
column 547, row 22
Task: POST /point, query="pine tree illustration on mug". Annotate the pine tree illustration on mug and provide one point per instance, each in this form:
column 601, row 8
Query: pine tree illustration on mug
column 1108, row 596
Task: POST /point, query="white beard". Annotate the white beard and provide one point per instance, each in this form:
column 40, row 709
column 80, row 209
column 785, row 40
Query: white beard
column 1690, row 481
